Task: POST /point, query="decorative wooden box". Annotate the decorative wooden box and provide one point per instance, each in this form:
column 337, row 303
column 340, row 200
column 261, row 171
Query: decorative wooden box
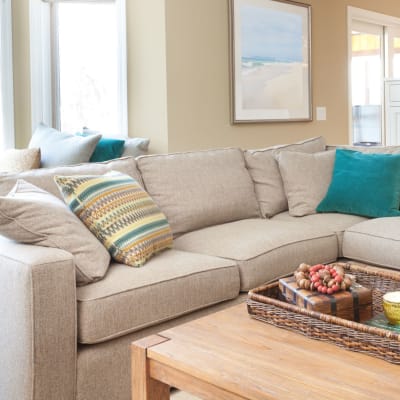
column 354, row 305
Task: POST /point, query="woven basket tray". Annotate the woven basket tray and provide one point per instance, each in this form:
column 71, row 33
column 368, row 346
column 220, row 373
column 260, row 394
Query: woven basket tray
column 264, row 304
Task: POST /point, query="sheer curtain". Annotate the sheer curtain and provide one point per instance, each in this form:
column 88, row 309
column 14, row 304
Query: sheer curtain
column 6, row 78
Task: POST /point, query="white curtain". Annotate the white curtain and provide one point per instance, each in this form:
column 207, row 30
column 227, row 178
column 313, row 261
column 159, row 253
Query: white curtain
column 6, row 77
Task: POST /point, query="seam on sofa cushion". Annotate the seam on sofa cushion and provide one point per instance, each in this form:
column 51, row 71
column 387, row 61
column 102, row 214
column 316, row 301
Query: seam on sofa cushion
column 368, row 261
column 372, row 235
column 275, row 248
column 163, row 155
column 156, row 283
column 156, row 322
column 283, row 146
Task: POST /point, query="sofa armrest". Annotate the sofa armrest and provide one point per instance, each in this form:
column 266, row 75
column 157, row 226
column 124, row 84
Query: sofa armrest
column 37, row 322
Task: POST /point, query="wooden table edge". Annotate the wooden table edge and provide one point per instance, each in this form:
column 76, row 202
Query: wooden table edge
column 152, row 379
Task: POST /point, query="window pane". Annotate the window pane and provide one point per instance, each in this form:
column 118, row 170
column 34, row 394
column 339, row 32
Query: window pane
column 88, row 65
column 366, row 78
column 396, row 57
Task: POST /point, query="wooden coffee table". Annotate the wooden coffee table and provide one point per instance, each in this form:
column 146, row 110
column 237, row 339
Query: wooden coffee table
column 230, row 356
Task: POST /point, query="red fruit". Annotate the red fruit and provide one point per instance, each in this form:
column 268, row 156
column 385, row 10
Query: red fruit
column 333, row 273
column 324, row 289
column 317, row 283
column 319, row 288
column 327, row 267
column 335, row 288
column 329, row 291
column 338, row 278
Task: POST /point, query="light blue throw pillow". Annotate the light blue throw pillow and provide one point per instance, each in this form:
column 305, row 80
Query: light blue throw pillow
column 364, row 184
column 59, row 148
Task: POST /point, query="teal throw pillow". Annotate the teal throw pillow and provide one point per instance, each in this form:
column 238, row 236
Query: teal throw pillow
column 107, row 149
column 364, row 184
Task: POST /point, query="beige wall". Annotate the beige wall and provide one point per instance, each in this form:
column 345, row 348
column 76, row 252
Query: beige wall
column 147, row 69
column 178, row 74
column 198, row 76
column 22, row 83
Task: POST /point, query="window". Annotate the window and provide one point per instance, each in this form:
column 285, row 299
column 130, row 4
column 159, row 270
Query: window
column 374, row 53
column 6, row 86
column 79, row 65
column 367, row 73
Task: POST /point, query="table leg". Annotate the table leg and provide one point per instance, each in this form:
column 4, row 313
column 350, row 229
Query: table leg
column 143, row 386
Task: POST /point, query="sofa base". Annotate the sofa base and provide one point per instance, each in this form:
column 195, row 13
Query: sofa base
column 103, row 370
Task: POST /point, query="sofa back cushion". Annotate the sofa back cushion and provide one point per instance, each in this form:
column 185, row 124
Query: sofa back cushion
column 44, row 177
column 306, row 178
column 264, row 170
column 198, row 189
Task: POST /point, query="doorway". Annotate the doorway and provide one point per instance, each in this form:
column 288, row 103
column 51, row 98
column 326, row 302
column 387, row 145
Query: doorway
column 374, row 58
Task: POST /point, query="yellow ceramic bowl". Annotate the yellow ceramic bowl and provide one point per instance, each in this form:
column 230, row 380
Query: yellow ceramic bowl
column 391, row 307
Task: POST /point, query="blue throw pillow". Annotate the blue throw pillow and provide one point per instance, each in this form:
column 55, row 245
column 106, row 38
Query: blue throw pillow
column 107, row 149
column 364, row 184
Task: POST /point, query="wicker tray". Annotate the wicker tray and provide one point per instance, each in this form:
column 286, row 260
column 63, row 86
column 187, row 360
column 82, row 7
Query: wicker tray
column 265, row 304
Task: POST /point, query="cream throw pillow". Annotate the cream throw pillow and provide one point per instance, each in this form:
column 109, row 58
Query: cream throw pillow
column 264, row 170
column 15, row 160
column 31, row 215
column 306, row 178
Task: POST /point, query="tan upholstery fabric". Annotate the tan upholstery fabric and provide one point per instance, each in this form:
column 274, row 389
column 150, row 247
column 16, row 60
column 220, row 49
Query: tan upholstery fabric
column 263, row 249
column 38, row 323
column 31, row 215
column 110, row 378
column 171, row 284
column 376, row 241
column 306, row 179
column 43, row 177
column 264, row 171
column 14, row 160
column 201, row 188
column 327, row 222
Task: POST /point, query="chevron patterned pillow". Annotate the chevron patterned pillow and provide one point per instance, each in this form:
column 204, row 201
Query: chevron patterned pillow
column 116, row 209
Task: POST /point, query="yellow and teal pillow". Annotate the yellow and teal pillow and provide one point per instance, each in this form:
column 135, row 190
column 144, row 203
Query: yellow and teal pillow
column 122, row 216
column 364, row 184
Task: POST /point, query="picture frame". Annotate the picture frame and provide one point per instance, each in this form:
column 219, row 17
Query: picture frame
column 270, row 52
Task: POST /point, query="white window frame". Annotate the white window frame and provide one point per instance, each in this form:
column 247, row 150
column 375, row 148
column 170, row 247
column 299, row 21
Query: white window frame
column 7, row 89
column 45, row 92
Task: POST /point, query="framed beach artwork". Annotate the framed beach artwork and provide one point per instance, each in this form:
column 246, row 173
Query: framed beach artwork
column 270, row 61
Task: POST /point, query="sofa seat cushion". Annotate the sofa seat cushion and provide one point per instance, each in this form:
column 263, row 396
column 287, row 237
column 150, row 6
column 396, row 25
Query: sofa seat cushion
column 172, row 284
column 329, row 222
column 263, row 249
column 376, row 241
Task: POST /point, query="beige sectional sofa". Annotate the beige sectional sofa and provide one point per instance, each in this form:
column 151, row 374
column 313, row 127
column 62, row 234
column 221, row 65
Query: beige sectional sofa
column 63, row 342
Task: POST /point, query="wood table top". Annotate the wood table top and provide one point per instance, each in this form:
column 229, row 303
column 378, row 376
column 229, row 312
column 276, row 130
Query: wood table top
column 254, row 360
